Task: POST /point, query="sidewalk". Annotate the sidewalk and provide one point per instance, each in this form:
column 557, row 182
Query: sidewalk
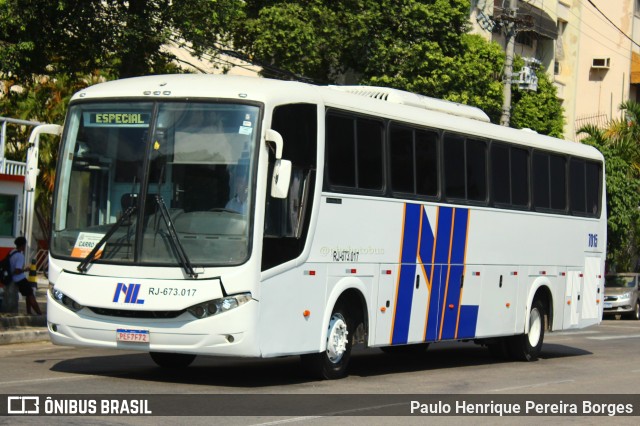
column 23, row 328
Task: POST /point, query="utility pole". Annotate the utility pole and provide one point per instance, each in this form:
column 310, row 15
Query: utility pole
column 510, row 34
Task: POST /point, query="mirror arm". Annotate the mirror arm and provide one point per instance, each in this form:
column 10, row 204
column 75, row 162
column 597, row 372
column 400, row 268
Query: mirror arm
column 275, row 138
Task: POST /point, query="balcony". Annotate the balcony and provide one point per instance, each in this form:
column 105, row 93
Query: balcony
column 10, row 167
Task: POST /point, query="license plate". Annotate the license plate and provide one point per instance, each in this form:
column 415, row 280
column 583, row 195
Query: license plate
column 124, row 335
column 607, row 305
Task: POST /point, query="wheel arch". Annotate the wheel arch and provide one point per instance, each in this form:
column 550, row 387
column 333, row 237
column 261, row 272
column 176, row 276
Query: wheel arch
column 541, row 290
column 350, row 293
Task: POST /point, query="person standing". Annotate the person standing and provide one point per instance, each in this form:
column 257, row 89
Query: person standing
column 17, row 262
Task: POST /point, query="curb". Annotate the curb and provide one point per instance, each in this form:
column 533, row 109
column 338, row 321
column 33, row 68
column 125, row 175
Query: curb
column 24, row 335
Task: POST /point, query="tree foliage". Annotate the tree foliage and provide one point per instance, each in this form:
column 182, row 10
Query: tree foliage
column 619, row 143
column 421, row 46
column 77, row 37
column 44, row 102
column 539, row 110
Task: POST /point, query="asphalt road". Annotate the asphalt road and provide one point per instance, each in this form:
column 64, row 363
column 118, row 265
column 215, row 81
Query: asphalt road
column 596, row 361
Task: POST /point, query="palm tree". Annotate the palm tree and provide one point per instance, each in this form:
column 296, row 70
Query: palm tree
column 619, row 142
column 45, row 101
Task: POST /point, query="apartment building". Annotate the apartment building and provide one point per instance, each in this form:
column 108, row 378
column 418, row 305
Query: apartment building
column 590, row 47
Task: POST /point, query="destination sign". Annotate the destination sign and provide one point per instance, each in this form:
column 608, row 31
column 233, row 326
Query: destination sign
column 120, row 119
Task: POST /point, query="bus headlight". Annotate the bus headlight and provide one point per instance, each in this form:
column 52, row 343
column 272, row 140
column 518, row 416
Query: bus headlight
column 218, row 306
column 64, row 300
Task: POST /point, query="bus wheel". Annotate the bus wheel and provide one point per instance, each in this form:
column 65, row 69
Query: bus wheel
column 171, row 360
column 332, row 363
column 526, row 347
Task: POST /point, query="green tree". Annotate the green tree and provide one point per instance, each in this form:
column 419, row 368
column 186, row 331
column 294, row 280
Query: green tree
column 421, row 46
column 79, row 36
column 44, row 102
column 619, row 143
column 538, row 110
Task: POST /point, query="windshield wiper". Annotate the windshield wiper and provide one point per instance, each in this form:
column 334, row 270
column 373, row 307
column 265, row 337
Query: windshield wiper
column 175, row 240
column 82, row 267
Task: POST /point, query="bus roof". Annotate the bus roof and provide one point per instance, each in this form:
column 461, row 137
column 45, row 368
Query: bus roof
column 384, row 102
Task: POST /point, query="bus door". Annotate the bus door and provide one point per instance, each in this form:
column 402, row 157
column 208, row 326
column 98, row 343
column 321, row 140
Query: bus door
column 499, row 300
column 592, row 294
column 407, row 304
column 572, row 297
column 385, row 303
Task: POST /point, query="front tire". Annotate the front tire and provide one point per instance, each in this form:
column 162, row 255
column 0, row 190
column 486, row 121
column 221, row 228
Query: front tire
column 527, row 347
column 171, row 360
column 332, row 363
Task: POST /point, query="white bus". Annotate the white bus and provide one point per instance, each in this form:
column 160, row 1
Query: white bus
column 235, row 216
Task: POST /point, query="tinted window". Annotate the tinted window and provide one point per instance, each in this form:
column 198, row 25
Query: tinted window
column 541, row 180
column 476, row 170
column 577, row 184
column 519, row 177
column 369, row 148
column 454, row 166
column 426, row 152
column 593, row 188
column 558, row 182
column 500, row 174
column 341, row 150
column 401, row 147
column 354, row 152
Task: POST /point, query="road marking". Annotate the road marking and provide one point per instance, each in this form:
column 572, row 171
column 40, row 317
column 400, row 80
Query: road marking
column 292, row 420
column 621, row 326
column 50, row 379
column 618, row 336
column 571, row 333
column 535, row 385
column 330, row 414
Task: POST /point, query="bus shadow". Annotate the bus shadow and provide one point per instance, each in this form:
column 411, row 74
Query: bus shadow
column 254, row 373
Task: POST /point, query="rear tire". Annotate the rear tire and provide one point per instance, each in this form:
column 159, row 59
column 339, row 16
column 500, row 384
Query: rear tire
column 171, row 360
column 526, row 347
column 333, row 362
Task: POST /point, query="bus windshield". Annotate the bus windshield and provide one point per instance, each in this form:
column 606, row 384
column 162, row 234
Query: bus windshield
column 186, row 166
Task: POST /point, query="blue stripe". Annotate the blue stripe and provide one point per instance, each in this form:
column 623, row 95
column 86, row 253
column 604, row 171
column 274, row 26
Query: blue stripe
column 407, row 274
column 434, row 305
column 441, row 267
column 468, row 321
column 456, row 269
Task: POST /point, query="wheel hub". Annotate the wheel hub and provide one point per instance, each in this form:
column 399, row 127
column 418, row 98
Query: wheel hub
column 337, row 338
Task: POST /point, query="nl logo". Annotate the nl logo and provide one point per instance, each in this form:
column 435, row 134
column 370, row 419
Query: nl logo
column 128, row 292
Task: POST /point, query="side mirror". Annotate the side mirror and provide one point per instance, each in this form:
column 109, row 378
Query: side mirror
column 281, row 179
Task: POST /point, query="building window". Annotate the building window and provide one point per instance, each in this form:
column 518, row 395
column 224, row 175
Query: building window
column 7, row 215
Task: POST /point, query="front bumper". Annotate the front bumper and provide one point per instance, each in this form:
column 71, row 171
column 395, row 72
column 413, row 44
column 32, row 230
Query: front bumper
column 228, row 334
